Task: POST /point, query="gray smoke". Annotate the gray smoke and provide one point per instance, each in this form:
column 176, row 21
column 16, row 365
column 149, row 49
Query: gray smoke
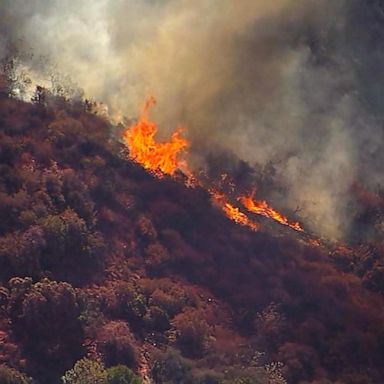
column 278, row 81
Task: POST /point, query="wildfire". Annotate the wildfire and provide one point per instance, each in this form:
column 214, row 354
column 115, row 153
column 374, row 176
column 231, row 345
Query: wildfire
column 164, row 159
column 159, row 158
column 233, row 212
column 262, row 208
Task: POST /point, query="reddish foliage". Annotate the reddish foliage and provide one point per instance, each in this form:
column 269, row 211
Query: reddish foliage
column 117, row 344
column 156, row 265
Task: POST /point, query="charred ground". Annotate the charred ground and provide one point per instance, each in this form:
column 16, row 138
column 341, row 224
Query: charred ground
column 99, row 259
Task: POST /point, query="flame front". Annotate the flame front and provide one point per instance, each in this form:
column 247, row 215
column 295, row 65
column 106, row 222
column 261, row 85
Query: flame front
column 164, row 159
column 159, row 158
column 233, row 212
column 262, row 208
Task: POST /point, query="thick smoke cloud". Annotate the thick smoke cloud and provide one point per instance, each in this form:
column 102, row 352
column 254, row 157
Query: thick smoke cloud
column 272, row 81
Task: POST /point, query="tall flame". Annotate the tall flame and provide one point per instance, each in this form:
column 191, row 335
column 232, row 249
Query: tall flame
column 164, row 159
column 159, row 158
column 262, row 208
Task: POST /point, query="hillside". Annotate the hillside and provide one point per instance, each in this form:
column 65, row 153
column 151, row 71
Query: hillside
column 101, row 260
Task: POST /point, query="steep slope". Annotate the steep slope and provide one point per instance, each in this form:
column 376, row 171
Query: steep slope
column 100, row 259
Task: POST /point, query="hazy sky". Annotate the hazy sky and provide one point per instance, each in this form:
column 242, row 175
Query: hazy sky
column 295, row 82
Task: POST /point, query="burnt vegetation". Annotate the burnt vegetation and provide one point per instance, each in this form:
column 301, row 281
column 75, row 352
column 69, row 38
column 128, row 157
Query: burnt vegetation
column 108, row 275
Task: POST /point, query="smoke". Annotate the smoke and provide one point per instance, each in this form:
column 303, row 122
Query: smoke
column 272, row 81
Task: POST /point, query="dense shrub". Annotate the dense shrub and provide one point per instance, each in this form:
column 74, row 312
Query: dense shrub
column 86, row 371
column 12, row 376
column 156, row 319
column 21, row 252
column 169, row 295
column 46, row 316
column 121, row 374
column 71, row 246
column 206, row 376
column 130, row 303
column 66, row 192
column 156, row 257
column 146, row 229
column 171, row 367
column 116, row 344
column 192, row 333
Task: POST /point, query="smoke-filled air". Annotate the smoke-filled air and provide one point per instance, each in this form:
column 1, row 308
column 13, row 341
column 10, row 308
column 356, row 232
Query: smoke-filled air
column 288, row 84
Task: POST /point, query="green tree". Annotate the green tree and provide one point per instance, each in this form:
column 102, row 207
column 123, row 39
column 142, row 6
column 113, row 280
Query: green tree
column 121, row 374
column 11, row 376
column 86, row 371
column 71, row 246
column 170, row 367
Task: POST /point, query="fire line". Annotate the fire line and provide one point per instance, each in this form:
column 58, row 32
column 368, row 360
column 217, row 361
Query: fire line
column 166, row 158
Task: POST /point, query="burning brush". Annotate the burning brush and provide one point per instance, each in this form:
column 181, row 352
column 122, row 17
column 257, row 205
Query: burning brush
column 166, row 159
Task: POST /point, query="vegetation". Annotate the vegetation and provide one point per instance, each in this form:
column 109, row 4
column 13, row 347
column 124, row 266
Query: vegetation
column 108, row 274
column 86, row 371
column 11, row 376
column 121, row 374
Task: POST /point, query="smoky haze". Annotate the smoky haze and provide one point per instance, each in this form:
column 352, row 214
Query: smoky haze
column 283, row 81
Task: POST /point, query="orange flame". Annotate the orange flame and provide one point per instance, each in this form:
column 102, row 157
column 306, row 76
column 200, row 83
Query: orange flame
column 232, row 212
column 164, row 159
column 262, row 208
column 159, row 158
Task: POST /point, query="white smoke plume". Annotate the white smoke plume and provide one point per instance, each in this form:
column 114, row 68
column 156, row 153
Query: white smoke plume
column 271, row 81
